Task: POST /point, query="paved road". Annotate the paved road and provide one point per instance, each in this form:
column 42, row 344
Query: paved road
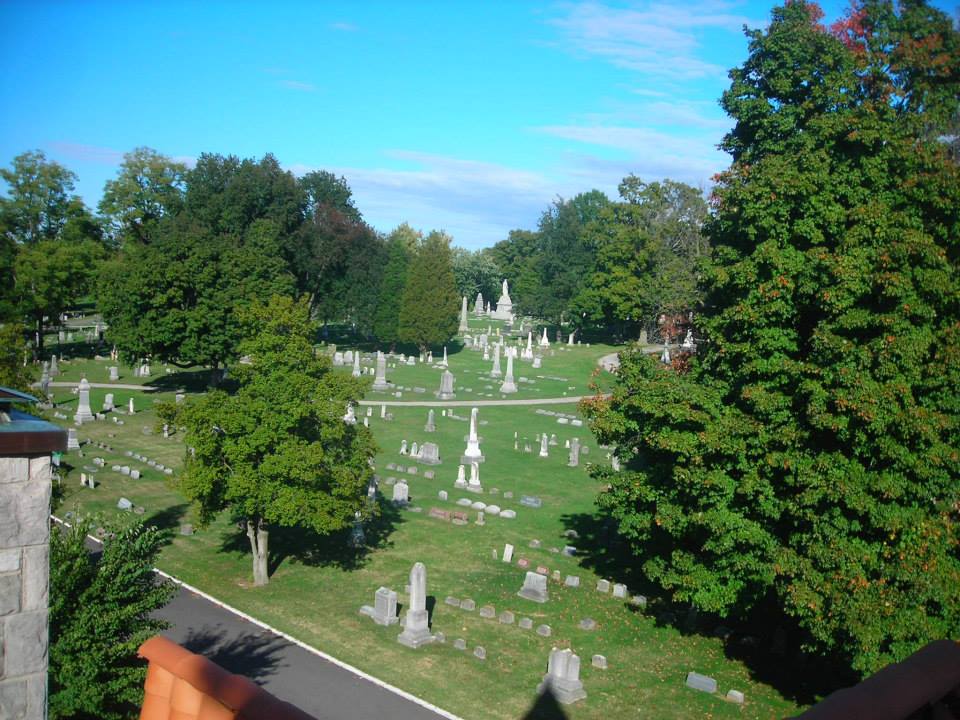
column 312, row 683
column 315, row 685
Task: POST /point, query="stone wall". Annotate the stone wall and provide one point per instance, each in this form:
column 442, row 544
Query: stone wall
column 24, row 581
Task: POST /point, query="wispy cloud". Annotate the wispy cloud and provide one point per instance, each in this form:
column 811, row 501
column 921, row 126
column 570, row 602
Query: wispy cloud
column 88, row 153
column 652, row 38
column 343, row 26
column 298, row 85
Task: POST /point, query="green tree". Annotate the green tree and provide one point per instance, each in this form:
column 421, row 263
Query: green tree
column 518, row 259
column 325, row 191
column 278, row 452
column 175, row 299
column 430, row 305
column 806, row 467
column 649, row 249
column 476, row 272
column 148, row 187
column 100, row 613
column 14, row 351
column 49, row 276
column 567, row 256
column 38, row 197
column 400, row 245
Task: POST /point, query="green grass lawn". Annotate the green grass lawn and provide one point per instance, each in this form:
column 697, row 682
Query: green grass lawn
column 317, row 585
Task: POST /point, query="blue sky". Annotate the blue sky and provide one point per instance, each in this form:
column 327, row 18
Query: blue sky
column 471, row 117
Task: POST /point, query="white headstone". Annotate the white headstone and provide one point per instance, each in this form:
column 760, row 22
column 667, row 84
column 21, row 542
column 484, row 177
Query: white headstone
column 563, row 677
column 114, row 373
column 474, row 483
column 72, row 442
column 384, row 610
column 508, row 553
column 496, row 372
column 356, row 365
column 544, row 440
column 380, row 382
column 83, row 414
column 534, row 588
column 473, row 453
column 431, row 424
column 416, row 629
column 401, row 492
column 130, row 407
column 461, row 477
column 508, row 386
column 463, row 316
column 446, row 386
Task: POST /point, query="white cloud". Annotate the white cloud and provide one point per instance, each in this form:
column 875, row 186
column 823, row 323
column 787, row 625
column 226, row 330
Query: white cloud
column 88, row 153
column 298, row 85
column 652, row 38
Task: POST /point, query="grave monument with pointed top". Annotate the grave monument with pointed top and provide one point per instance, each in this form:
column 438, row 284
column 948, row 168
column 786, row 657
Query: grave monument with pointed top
column 416, row 622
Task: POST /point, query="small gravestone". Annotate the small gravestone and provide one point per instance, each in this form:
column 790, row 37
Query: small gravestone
column 186, row 529
column 620, row 590
column 124, row 504
column 508, row 514
column 464, row 502
column 493, row 510
column 480, row 653
column 599, row 661
column 384, row 610
column 468, row 605
column 428, row 474
column 588, row 624
column 700, row 682
column 556, row 576
column 508, row 553
column 460, row 644
column 135, row 474
column 603, row 586
column 506, row 618
column 534, row 544
column 563, row 677
column 525, row 624
column 508, row 495
column 460, row 518
column 735, row 696
column 534, row 588
column 488, row 611
column 544, row 630
column 541, row 570
column 451, row 601
column 523, row 563
column 439, row 514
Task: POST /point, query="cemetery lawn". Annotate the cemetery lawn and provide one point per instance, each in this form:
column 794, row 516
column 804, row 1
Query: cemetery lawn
column 317, row 586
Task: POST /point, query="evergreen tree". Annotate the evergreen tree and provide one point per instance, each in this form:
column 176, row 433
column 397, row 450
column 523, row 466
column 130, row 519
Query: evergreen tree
column 401, row 243
column 430, row 305
column 808, row 464
column 99, row 616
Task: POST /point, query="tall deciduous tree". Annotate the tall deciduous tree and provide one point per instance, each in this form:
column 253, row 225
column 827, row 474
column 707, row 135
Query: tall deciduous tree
column 807, row 464
column 38, row 197
column 648, row 251
column 50, row 275
column 148, row 187
column 476, row 272
column 100, row 613
column 430, row 303
column 278, row 451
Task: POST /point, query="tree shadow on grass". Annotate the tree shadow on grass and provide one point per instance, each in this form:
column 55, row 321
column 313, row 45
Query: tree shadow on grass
column 601, row 549
column 168, row 519
column 193, row 381
column 796, row 676
column 253, row 655
column 307, row 547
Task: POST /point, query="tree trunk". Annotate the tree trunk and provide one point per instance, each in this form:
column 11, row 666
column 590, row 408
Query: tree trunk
column 215, row 375
column 258, row 534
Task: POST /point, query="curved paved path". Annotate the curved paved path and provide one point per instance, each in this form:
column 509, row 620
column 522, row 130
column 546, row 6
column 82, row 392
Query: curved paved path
column 317, row 686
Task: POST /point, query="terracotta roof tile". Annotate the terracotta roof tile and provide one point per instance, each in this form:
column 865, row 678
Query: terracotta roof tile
column 182, row 685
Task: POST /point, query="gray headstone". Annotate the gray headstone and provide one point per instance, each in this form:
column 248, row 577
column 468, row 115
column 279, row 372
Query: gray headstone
column 468, row 605
column 480, row 653
column 488, row 611
column 603, row 586
column 534, row 588
column 701, row 682
column 599, row 661
column 525, row 623
column 506, row 618
column 124, row 504
column 460, row 644
column 544, row 630
column 588, row 624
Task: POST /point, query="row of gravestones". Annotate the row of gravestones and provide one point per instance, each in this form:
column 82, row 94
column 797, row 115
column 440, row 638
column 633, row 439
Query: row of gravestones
column 563, row 670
